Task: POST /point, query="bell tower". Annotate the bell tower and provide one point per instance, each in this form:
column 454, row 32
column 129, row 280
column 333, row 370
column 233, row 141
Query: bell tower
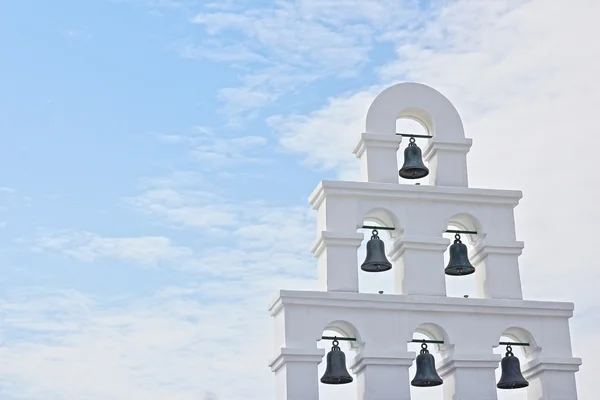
column 464, row 331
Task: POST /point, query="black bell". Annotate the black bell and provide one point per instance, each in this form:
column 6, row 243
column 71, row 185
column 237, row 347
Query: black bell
column 426, row 375
column 413, row 167
column 459, row 263
column 511, row 377
column 336, row 372
column 376, row 261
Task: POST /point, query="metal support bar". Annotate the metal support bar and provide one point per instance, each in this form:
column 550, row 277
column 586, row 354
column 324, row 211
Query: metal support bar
column 427, row 341
column 381, row 228
column 414, row 135
column 349, row 339
column 513, row 344
column 465, row 232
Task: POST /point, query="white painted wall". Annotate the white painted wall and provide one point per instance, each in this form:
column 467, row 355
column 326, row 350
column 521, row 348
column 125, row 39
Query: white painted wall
column 419, row 304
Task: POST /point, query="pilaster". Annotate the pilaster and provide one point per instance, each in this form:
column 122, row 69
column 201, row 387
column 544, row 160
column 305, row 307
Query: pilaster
column 383, row 375
column 551, row 378
column 378, row 157
column 296, row 373
column 337, row 255
column 419, row 265
column 469, row 377
column 497, row 265
column 448, row 161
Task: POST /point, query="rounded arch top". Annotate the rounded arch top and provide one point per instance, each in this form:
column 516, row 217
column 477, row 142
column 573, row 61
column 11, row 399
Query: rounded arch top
column 343, row 329
column 466, row 222
column 384, row 217
column 433, row 331
column 415, row 101
column 521, row 335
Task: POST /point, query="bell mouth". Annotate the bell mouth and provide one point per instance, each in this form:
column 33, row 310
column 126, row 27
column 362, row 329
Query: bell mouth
column 459, row 271
column 416, row 173
column 336, row 381
column 426, row 383
column 518, row 385
column 376, row 267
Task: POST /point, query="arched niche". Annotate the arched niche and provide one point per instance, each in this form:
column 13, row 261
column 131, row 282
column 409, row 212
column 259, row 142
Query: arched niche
column 520, row 335
column 411, row 125
column 342, row 328
column 369, row 282
column 384, row 217
column 465, row 222
column 433, row 331
column 429, row 331
column 346, row 329
column 416, row 101
column 460, row 286
column 523, row 353
column 445, row 153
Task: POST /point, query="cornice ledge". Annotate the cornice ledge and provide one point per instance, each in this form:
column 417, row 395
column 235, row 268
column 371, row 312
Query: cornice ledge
column 287, row 354
column 400, row 358
column 376, row 140
column 412, row 192
column 392, row 302
column 327, row 238
column 434, row 145
column 448, row 365
column 418, row 243
column 541, row 364
column 482, row 248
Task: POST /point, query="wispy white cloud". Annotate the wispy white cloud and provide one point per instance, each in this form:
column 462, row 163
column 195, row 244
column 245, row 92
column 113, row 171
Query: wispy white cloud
column 214, row 50
column 327, row 136
column 174, row 344
column 523, row 76
column 89, row 247
column 7, row 190
column 154, row 348
column 215, row 152
column 303, row 41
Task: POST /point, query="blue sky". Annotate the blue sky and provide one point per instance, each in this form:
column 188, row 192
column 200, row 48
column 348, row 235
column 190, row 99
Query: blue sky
column 157, row 155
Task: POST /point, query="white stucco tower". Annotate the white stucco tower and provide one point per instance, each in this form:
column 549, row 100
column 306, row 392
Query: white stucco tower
column 383, row 324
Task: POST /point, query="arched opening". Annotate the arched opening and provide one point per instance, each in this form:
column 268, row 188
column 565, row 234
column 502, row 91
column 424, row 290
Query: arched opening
column 411, row 125
column 513, row 335
column 461, row 286
column 341, row 329
column 375, row 282
column 427, row 331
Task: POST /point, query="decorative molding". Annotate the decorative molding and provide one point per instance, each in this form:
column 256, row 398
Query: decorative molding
column 361, row 360
column 327, row 238
column 392, row 191
column 421, row 303
column 434, row 145
column 376, row 141
column 542, row 364
column 287, row 354
column 448, row 365
column 481, row 249
column 414, row 243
